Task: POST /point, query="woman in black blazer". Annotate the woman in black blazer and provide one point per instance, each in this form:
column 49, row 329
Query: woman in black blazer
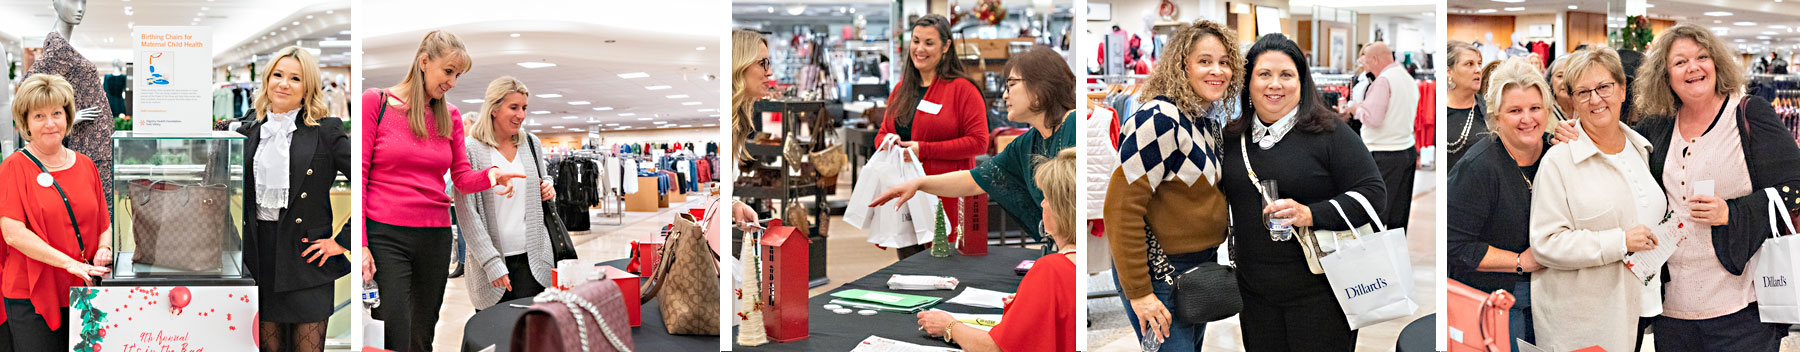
column 292, row 156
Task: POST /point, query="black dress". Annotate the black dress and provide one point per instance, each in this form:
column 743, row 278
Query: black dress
column 1489, row 204
column 1457, row 142
column 292, row 290
column 1286, row 306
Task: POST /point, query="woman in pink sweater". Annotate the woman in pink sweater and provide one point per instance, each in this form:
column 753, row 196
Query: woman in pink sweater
column 415, row 141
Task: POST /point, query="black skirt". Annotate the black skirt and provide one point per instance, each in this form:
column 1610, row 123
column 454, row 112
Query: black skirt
column 303, row 305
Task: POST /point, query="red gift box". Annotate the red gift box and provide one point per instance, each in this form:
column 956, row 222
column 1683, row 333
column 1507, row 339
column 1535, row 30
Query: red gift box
column 628, row 287
column 645, row 255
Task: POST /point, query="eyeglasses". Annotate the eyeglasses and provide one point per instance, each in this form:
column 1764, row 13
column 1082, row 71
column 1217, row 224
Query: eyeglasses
column 1605, row 90
column 1007, row 87
column 764, row 62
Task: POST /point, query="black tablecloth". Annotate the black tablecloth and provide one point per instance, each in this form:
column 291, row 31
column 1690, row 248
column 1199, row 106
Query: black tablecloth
column 834, row 332
column 494, row 326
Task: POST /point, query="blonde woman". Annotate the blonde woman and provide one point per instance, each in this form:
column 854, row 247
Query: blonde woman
column 1593, row 200
column 1703, row 127
column 53, row 215
column 1045, row 302
column 1166, row 189
column 507, row 244
column 749, row 82
column 416, row 140
column 292, row 131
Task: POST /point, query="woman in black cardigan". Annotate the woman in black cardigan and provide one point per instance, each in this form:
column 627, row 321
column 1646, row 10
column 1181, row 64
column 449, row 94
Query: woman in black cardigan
column 1693, row 99
column 292, row 155
column 1313, row 157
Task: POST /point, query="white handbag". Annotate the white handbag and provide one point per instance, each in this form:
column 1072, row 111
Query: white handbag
column 1369, row 272
column 1777, row 297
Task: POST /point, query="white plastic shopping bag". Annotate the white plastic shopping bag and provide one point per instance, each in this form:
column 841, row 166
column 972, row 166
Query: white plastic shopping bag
column 1369, row 274
column 858, row 212
column 1777, row 297
column 922, row 209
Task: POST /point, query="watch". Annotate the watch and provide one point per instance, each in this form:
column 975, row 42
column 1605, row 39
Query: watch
column 1519, row 264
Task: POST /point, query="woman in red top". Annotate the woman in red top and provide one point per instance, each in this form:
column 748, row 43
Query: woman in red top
column 1045, row 301
column 937, row 112
column 45, row 255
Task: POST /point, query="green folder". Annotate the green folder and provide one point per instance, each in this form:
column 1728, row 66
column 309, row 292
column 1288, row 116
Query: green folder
column 896, row 300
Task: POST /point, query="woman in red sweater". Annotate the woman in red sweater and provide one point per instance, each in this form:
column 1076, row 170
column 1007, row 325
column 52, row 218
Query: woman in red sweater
column 416, row 139
column 937, row 111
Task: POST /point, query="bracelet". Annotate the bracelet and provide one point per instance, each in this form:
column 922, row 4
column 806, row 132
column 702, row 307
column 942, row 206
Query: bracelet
column 947, row 330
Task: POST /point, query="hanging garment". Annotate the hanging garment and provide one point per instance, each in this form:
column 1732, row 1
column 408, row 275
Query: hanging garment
column 94, row 138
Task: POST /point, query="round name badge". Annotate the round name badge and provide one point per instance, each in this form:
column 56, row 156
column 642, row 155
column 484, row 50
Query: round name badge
column 44, row 179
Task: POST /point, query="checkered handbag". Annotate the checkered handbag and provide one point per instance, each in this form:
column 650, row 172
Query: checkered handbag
column 171, row 226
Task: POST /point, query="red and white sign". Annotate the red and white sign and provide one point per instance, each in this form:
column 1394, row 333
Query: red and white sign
column 162, row 318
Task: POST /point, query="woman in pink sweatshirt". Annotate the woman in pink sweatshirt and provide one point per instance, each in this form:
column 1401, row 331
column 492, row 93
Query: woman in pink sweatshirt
column 416, row 139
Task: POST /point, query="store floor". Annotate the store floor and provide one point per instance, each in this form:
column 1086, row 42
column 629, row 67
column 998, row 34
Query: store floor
column 604, row 241
column 1110, row 332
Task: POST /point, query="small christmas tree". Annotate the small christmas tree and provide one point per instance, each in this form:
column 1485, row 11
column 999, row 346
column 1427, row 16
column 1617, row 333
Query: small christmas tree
column 940, row 244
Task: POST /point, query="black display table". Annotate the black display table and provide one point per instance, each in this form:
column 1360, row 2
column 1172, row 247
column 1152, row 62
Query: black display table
column 835, row 332
column 494, row 326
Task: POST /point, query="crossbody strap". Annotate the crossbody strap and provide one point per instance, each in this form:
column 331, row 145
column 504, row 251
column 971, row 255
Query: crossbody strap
column 66, row 206
column 1778, row 210
column 382, row 110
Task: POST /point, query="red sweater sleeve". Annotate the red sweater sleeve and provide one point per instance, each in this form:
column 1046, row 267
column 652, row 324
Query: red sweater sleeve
column 466, row 179
column 966, row 103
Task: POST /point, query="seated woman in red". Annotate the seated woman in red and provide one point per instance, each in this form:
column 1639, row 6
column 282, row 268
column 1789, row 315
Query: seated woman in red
column 1046, row 298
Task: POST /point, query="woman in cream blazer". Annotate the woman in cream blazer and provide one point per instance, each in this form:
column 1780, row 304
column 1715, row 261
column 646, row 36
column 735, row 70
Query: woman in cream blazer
column 1593, row 201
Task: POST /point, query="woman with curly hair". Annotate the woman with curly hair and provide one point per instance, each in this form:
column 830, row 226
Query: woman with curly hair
column 1164, row 213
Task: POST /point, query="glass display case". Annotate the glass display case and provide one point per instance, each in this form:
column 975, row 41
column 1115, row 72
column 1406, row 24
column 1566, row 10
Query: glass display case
column 177, row 209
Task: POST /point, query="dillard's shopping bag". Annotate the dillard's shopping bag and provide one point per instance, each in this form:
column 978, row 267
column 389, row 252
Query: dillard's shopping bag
column 1777, row 297
column 870, row 184
column 1369, row 274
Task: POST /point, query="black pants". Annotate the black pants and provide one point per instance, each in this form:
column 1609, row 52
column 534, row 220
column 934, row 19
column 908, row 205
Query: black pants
column 1397, row 172
column 1740, row 331
column 29, row 330
column 518, row 270
column 411, row 267
column 1288, row 308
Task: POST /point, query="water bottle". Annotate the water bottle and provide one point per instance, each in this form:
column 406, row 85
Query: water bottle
column 1150, row 343
column 371, row 296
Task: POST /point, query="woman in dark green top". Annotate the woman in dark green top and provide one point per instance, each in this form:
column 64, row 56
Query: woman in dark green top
column 1040, row 91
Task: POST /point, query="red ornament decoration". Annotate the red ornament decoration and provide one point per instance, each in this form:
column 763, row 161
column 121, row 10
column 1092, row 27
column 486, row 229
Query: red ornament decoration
column 179, row 298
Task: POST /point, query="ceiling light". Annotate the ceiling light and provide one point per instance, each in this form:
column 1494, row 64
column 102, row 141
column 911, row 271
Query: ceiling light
column 657, row 87
column 603, row 108
column 344, row 32
column 579, row 102
column 536, row 64
column 549, row 95
column 1762, row 37
column 713, row 115
column 687, row 125
column 309, row 17
column 540, row 112
column 705, row 110
column 660, row 122
column 556, row 127
column 676, row 96
column 1769, row 33
column 515, row 35
column 629, row 114
column 1515, row 9
column 568, row 117
column 296, row 23
column 1739, row 40
column 691, row 103
column 537, row 131
column 1510, row 1
column 702, row 48
column 1778, row 26
column 1649, row 5
column 796, row 10
column 709, row 125
column 472, row 101
column 577, row 130
column 643, row 119
column 1745, row 24
column 1572, row 7
column 1486, row 11
column 1721, row 29
column 326, row 11
column 1717, row 13
column 611, row 124
column 633, row 75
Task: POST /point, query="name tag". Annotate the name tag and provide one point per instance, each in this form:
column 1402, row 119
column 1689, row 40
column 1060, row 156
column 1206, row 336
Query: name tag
column 929, row 107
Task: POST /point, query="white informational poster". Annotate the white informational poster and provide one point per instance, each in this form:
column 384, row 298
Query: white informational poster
column 173, row 82
column 162, row 318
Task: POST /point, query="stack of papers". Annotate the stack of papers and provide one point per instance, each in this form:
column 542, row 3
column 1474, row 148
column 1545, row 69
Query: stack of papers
column 880, row 344
column 975, row 297
column 921, row 282
column 883, row 301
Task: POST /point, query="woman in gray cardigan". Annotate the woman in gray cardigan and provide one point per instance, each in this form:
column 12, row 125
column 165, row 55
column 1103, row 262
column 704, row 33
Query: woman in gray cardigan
column 508, row 247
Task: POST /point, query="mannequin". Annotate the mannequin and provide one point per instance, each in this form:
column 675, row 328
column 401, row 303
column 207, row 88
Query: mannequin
column 115, row 85
column 88, row 137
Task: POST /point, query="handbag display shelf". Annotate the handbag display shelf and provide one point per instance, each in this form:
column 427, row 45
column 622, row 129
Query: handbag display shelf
column 781, row 178
column 180, row 202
